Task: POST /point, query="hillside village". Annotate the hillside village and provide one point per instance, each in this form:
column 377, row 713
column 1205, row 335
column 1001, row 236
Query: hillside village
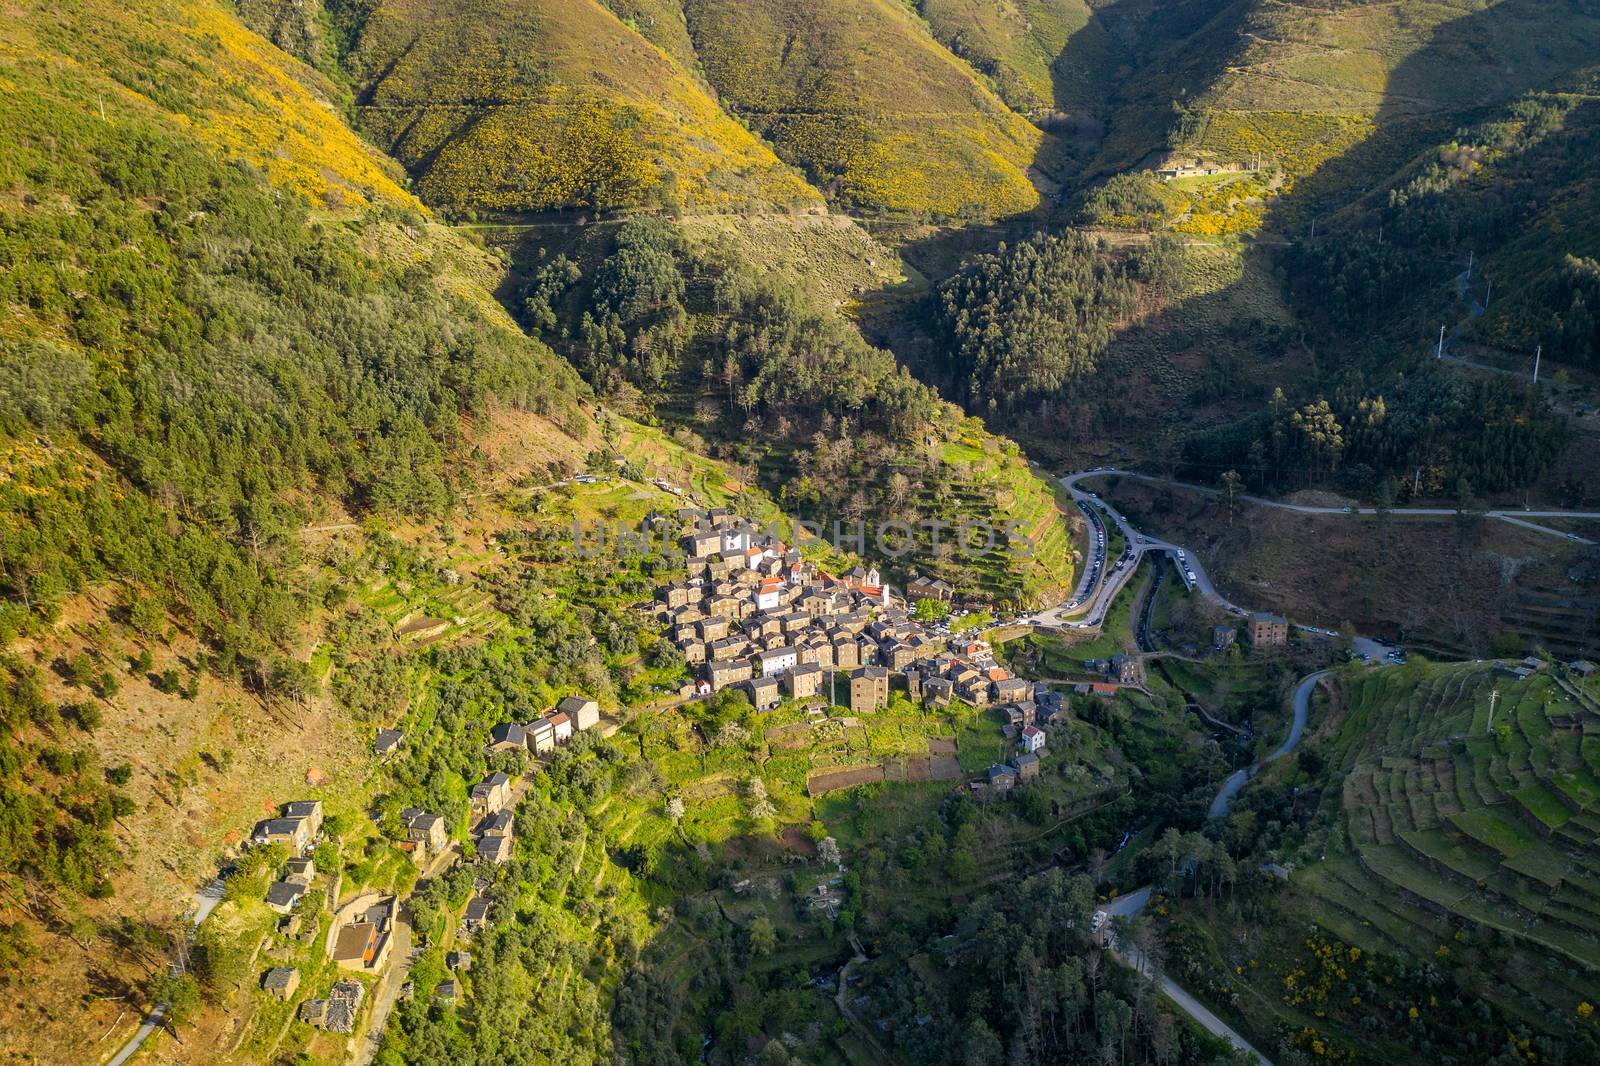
column 752, row 613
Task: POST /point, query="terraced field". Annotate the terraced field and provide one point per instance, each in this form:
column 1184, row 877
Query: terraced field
column 983, row 481
column 1455, row 820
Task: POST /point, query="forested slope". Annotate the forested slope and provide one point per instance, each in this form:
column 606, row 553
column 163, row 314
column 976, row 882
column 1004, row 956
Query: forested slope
column 221, row 319
column 193, row 336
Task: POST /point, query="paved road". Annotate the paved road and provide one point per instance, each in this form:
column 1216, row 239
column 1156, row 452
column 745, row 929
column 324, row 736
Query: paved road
column 1514, row 517
column 1186, row 1002
column 1131, row 904
column 1130, row 955
column 1230, row 787
column 152, row 1021
column 205, row 901
column 388, row 991
column 1098, row 587
column 1088, row 612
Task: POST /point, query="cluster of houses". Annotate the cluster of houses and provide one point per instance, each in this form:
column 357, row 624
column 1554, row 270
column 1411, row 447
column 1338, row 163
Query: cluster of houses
column 751, row 612
column 572, row 715
column 492, row 828
column 1582, row 669
column 1025, row 723
column 1173, row 167
column 1263, row 628
column 1121, row 669
column 361, row 940
column 296, row 827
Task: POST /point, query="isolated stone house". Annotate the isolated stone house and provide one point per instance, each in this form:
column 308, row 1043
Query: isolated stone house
column 295, row 833
column 541, row 736
column 490, row 794
column 280, row 982
column 763, row 692
column 1268, row 630
column 424, row 830
column 803, row 681
column 507, row 736
column 283, row 896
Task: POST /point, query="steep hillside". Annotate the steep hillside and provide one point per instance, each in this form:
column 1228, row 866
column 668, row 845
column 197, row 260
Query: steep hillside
column 749, row 361
column 221, row 320
column 187, row 189
column 507, row 105
column 1344, row 94
column 868, row 104
column 1440, row 832
column 662, row 23
column 1518, row 192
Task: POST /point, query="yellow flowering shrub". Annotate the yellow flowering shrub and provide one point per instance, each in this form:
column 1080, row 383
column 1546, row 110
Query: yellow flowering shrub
column 542, row 104
column 860, row 98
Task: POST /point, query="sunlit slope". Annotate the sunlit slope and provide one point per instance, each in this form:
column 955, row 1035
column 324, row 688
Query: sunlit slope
column 860, row 96
column 195, row 64
column 527, row 105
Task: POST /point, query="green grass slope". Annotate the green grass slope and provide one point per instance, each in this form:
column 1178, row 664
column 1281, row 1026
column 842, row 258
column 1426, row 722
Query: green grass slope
column 515, row 106
column 1466, row 837
column 861, row 97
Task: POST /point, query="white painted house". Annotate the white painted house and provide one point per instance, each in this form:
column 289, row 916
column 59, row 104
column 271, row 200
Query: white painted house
column 778, row 661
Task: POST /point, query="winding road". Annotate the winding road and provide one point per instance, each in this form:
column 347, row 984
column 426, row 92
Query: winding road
column 1098, row 587
column 1511, row 516
column 1127, row 906
column 1102, row 581
column 1239, row 778
column 1087, row 610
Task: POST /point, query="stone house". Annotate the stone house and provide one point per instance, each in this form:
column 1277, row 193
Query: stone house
column 869, row 689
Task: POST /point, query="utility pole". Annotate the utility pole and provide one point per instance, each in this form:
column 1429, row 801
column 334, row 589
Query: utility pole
column 1536, row 353
column 1488, row 294
column 1494, row 698
column 1469, row 264
column 1416, row 484
column 1439, row 351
